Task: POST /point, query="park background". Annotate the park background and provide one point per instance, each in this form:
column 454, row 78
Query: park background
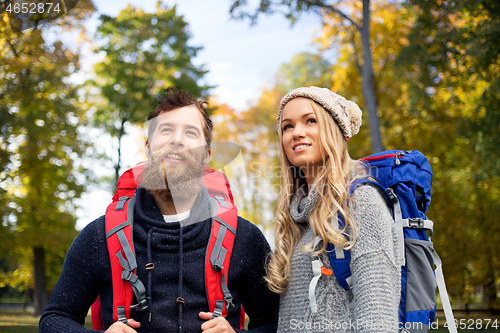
column 75, row 91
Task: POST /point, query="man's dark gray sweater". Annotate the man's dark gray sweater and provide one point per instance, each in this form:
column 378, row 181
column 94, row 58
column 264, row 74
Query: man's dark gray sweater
column 87, row 273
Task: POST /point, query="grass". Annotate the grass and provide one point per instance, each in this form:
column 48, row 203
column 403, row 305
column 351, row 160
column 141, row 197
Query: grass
column 23, row 322
column 18, row 322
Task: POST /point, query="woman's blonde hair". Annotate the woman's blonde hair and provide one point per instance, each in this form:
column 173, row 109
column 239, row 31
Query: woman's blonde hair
column 332, row 184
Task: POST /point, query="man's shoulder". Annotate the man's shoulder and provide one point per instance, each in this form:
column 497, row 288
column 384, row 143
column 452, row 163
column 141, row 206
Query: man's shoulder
column 89, row 242
column 247, row 225
column 97, row 223
column 94, row 231
column 250, row 234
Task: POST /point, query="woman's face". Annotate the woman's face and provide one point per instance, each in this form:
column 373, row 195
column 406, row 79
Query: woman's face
column 300, row 135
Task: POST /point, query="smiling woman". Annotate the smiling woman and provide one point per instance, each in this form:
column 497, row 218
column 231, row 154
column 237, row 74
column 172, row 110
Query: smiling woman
column 314, row 125
column 300, row 137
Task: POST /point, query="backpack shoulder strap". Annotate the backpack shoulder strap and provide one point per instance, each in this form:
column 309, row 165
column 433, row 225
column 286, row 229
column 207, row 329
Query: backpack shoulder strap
column 219, row 250
column 119, row 222
column 368, row 181
column 339, row 258
column 118, row 226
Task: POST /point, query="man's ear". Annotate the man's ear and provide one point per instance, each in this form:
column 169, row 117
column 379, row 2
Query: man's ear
column 208, row 156
column 147, row 149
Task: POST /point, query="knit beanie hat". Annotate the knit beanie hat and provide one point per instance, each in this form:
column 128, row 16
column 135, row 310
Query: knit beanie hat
column 346, row 113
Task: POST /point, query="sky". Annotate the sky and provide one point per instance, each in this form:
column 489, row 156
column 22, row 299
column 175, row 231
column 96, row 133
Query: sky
column 240, row 58
column 241, row 61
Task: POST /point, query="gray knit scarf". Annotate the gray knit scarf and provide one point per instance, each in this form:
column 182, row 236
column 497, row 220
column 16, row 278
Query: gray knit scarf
column 302, row 204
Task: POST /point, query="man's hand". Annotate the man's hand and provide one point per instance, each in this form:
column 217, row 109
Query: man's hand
column 217, row 325
column 120, row 327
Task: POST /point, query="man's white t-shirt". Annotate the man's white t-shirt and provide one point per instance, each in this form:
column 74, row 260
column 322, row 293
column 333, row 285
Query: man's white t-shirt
column 177, row 217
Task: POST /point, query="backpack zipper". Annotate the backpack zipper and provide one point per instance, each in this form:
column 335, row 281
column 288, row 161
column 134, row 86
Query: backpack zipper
column 397, row 155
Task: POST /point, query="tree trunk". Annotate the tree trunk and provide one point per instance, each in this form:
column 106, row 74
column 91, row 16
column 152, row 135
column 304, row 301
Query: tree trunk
column 490, row 291
column 40, row 299
column 26, row 297
column 367, row 76
column 118, row 163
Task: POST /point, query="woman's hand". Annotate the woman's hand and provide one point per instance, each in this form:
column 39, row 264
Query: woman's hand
column 217, row 325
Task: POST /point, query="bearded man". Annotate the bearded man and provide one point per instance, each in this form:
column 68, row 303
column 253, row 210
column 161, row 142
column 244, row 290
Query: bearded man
column 171, row 231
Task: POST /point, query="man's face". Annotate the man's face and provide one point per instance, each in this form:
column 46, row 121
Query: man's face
column 177, row 152
column 181, row 130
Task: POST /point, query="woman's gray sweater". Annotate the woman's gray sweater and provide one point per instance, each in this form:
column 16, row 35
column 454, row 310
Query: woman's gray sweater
column 371, row 303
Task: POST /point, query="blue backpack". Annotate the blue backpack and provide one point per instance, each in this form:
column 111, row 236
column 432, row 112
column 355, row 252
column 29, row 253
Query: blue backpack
column 404, row 178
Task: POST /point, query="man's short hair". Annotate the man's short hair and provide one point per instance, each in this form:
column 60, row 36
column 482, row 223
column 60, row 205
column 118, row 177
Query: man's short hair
column 173, row 99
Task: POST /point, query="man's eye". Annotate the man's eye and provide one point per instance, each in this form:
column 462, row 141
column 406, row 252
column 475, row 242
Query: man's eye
column 191, row 133
column 166, row 129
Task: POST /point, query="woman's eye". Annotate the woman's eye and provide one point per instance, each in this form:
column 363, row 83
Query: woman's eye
column 286, row 127
column 166, row 129
column 311, row 120
column 191, row 133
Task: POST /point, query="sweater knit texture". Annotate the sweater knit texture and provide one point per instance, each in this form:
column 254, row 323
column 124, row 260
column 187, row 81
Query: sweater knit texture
column 178, row 252
column 302, row 204
column 371, row 303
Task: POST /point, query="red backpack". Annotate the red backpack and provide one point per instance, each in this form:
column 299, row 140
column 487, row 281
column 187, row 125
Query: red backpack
column 119, row 222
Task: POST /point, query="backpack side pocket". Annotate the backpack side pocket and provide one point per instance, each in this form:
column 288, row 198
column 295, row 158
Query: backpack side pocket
column 420, row 281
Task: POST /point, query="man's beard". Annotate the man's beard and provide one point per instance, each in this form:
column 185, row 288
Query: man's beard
column 171, row 181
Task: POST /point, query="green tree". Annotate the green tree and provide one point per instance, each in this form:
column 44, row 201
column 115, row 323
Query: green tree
column 144, row 53
column 39, row 147
column 353, row 19
column 457, row 43
column 388, row 34
column 305, row 69
column 418, row 114
column 452, row 63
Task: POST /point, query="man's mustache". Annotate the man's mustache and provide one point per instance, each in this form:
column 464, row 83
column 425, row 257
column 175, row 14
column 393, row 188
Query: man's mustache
column 186, row 155
column 171, row 180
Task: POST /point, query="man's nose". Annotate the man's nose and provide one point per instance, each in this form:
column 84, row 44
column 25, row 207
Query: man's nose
column 177, row 139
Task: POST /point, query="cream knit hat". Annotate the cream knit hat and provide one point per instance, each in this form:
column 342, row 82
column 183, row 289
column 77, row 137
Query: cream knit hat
column 346, row 113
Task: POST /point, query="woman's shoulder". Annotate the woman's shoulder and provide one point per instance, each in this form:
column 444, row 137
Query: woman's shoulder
column 368, row 197
column 374, row 222
column 368, row 203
